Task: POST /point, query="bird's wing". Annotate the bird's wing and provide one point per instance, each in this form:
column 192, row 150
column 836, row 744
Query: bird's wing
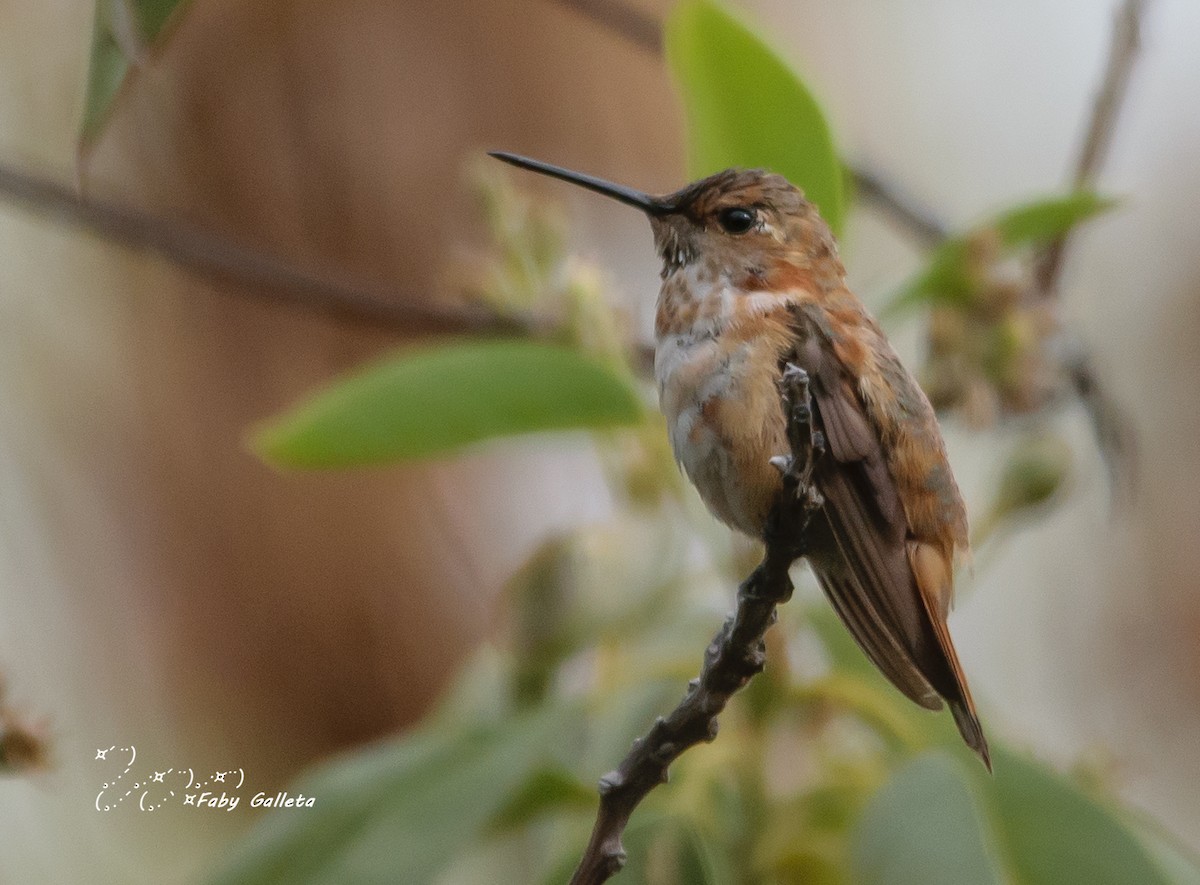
column 860, row 547
column 863, row 618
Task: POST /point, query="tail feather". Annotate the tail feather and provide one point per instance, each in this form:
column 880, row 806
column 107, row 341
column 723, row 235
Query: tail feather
column 971, row 730
column 933, row 573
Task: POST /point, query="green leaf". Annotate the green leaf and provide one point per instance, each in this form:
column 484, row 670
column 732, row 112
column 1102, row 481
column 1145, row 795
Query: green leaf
column 1035, row 470
column 106, row 71
column 1054, row 834
column 924, row 827
column 1043, row 220
column 669, row 847
column 746, row 108
column 563, row 868
column 549, row 789
column 705, row 860
column 949, row 276
column 1179, row 863
column 431, row 401
column 844, row 654
column 938, row 821
column 399, row 813
column 857, row 687
column 122, row 34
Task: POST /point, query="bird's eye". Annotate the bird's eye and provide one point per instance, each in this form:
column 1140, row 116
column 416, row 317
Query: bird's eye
column 736, row 220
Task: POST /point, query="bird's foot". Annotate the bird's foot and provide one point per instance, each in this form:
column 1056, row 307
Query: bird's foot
column 807, row 442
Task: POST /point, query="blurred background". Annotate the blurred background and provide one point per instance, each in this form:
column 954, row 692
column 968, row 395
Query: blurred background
column 160, row 586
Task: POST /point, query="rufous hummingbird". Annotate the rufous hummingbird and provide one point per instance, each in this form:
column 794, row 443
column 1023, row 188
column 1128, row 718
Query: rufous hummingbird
column 751, row 280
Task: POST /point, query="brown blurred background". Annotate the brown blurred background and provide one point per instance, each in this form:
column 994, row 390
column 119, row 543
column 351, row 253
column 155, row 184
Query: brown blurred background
column 158, row 585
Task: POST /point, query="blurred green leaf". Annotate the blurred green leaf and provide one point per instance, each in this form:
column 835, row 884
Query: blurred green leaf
column 645, row 838
column 122, row 33
column 1179, row 863
column 1045, row 829
column 924, row 827
column 1043, row 220
column 106, row 71
column 615, row 580
column 430, row 401
column 563, row 868
column 804, row 839
column 855, row 685
column 746, row 107
column 1051, row 833
column 1035, row 470
column 623, row 716
column 398, row 813
column 844, row 654
column 549, row 789
column 949, row 276
column 669, row 848
column 705, row 861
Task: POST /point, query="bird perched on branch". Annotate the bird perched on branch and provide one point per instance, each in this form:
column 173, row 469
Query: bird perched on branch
column 751, row 282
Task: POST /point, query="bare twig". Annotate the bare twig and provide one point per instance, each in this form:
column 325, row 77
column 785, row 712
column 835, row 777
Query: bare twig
column 1113, row 434
column 1110, row 425
column 918, row 221
column 272, row 278
column 265, row 276
column 734, row 656
column 1123, row 51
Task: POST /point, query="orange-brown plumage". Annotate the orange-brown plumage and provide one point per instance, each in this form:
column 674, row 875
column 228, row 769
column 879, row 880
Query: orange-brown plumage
column 752, row 281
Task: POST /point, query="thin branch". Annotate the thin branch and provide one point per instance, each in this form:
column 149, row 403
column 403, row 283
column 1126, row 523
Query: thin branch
column 1126, row 43
column 264, row 276
column 1110, row 426
column 920, row 222
column 1123, row 52
column 272, row 278
column 734, row 656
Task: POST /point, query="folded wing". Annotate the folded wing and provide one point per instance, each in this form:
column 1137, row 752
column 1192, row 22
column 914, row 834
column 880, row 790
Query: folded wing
column 863, row 555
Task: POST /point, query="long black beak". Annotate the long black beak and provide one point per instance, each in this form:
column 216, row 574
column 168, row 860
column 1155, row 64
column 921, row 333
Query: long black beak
column 649, row 204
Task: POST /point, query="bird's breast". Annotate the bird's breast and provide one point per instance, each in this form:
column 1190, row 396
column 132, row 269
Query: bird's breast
column 718, row 390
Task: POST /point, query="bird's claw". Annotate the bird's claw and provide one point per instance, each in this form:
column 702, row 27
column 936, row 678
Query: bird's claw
column 793, row 374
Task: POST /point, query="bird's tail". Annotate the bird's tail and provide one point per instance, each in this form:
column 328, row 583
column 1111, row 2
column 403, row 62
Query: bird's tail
column 971, row 730
column 933, row 572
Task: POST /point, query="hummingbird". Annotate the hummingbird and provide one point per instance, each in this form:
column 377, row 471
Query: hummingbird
column 752, row 281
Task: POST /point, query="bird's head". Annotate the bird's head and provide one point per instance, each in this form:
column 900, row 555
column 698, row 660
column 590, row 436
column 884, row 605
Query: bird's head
column 739, row 219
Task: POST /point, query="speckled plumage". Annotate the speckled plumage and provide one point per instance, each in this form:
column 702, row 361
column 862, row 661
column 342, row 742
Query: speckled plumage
column 732, row 310
column 752, row 281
